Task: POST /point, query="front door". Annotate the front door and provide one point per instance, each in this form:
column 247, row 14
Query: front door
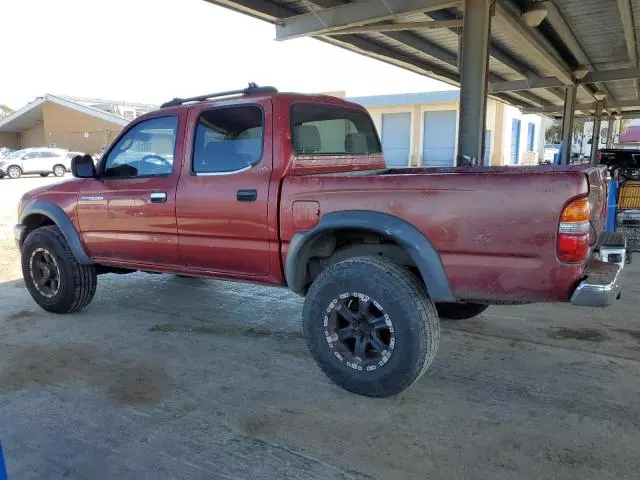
column 32, row 163
column 128, row 213
column 222, row 202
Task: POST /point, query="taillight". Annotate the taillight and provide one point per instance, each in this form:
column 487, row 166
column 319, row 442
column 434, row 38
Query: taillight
column 574, row 231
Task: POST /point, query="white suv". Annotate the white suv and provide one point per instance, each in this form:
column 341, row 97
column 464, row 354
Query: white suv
column 43, row 161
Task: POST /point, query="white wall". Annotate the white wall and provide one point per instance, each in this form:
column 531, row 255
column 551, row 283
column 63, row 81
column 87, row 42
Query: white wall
column 513, row 113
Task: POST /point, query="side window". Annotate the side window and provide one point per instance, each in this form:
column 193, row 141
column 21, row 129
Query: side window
column 228, row 139
column 320, row 129
column 147, row 149
column 30, row 156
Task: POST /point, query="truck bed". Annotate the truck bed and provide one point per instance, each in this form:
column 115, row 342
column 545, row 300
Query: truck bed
column 495, row 228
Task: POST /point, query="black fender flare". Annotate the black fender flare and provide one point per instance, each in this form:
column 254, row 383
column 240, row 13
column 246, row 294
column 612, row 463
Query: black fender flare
column 62, row 221
column 420, row 249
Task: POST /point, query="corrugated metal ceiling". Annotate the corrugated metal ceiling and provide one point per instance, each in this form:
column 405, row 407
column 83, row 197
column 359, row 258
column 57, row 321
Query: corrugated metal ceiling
column 595, row 24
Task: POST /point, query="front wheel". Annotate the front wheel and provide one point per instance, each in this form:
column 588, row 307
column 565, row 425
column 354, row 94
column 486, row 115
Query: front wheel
column 14, row 172
column 53, row 276
column 460, row 311
column 370, row 326
column 59, row 171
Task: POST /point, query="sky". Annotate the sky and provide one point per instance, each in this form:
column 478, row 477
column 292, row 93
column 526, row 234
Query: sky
column 150, row 51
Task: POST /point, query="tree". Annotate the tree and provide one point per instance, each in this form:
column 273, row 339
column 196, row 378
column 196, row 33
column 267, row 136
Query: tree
column 5, row 111
column 553, row 134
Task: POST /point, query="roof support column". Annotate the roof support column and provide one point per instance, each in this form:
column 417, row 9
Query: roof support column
column 595, row 138
column 610, row 127
column 473, row 81
column 567, row 123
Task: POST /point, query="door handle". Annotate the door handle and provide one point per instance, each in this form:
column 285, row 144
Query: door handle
column 159, row 197
column 247, row 195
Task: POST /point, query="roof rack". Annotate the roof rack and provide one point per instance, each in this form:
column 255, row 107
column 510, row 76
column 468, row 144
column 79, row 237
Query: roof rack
column 253, row 88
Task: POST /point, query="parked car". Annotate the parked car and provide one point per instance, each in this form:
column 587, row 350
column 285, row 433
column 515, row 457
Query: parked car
column 42, row 161
column 4, row 151
column 292, row 190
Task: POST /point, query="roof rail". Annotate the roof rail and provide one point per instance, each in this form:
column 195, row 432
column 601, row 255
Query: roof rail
column 253, row 88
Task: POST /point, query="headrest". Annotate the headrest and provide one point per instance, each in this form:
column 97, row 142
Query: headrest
column 356, row 143
column 306, row 139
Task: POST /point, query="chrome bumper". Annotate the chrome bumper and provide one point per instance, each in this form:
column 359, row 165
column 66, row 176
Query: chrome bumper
column 18, row 234
column 601, row 285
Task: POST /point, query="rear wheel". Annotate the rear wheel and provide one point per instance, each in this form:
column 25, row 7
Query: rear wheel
column 14, row 172
column 370, row 326
column 59, row 171
column 460, row 311
column 53, row 276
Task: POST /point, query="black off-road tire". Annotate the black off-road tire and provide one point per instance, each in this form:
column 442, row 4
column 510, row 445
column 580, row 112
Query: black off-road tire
column 77, row 285
column 44, row 175
column 460, row 311
column 416, row 328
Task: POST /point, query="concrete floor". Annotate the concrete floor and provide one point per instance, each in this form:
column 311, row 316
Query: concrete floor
column 167, row 377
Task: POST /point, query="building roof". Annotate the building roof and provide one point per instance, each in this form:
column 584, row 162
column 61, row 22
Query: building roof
column 103, row 101
column 446, row 96
column 29, row 115
column 590, row 43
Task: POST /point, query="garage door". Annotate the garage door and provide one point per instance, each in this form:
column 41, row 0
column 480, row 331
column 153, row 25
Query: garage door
column 439, row 138
column 396, row 138
column 515, row 141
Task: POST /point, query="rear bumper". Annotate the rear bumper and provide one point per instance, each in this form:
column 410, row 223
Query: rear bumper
column 601, row 285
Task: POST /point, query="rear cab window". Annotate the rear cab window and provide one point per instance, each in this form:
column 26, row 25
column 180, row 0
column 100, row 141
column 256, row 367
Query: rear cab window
column 321, row 129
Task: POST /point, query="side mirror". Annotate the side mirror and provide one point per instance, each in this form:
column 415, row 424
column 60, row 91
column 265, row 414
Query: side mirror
column 82, row 166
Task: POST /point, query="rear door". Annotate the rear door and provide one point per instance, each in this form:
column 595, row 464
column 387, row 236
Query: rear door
column 128, row 213
column 222, row 201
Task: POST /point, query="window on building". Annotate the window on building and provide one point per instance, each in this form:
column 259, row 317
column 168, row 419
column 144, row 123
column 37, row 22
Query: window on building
column 228, row 139
column 531, row 135
column 331, row 130
column 147, row 149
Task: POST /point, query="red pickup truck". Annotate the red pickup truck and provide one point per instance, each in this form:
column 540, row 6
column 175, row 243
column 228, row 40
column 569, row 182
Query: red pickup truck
column 292, row 190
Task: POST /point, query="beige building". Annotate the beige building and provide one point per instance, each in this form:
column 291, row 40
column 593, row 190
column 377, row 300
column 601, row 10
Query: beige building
column 52, row 121
column 422, row 129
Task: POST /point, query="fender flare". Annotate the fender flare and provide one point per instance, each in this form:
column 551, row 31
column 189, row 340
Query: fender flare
column 420, row 249
column 62, row 221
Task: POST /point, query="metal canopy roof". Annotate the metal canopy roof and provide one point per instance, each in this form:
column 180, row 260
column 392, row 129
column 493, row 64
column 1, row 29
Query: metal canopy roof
column 592, row 43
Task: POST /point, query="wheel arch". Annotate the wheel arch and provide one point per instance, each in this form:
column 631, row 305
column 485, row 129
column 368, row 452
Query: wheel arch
column 41, row 213
column 420, row 250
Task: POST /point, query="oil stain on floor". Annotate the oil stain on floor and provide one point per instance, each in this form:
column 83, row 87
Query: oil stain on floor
column 123, row 381
column 583, row 334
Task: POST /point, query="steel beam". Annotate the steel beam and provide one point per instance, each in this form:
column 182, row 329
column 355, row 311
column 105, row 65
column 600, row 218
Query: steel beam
column 508, row 20
column 626, row 15
column 567, row 123
column 353, row 14
column 586, row 106
column 473, row 81
column 595, row 138
column 548, row 82
column 395, row 27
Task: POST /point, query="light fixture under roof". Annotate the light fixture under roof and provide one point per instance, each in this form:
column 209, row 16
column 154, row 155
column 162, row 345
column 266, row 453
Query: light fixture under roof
column 535, row 16
column 599, row 96
column 581, row 72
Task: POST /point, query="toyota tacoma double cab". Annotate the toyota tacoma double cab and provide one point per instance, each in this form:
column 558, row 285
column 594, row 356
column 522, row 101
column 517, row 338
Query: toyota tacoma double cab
column 292, row 190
